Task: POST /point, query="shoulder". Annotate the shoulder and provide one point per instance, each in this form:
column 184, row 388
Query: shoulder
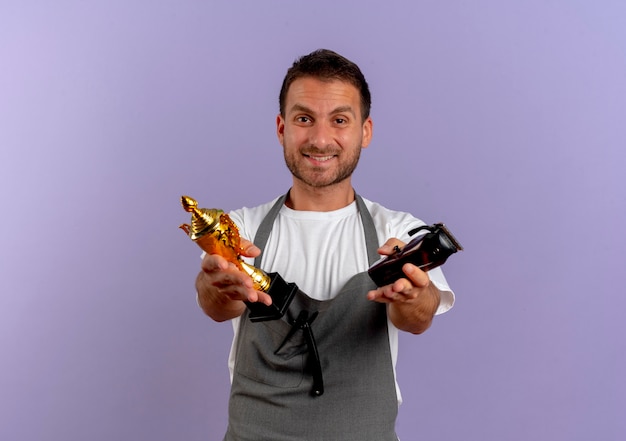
column 392, row 223
column 248, row 219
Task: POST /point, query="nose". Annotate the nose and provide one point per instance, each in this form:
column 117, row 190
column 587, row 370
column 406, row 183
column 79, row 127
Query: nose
column 320, row 135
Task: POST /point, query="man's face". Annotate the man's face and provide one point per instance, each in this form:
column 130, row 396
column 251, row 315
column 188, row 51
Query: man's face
column 322, row 132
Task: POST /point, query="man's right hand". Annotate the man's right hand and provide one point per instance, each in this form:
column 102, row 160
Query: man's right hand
column 222, row 287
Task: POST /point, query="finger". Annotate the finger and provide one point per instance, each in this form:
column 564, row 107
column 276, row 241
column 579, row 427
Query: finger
column 415, row 275
column 391, row 246
column 240, row 292
column 232, row 277
column 249, row 249
column 213, row 262
column 238, row 286
column 402, row 286
column 377, row 296
column 259, row 296
column 385, row 294
column 401, row 290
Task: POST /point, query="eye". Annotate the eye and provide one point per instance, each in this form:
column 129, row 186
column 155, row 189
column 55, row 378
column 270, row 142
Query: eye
column 303, row 119
column 341, row 121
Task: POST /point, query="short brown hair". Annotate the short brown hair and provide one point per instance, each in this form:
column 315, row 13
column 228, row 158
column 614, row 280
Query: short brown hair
column 325, row 64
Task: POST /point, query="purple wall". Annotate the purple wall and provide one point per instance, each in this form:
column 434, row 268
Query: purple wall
column 503, row 119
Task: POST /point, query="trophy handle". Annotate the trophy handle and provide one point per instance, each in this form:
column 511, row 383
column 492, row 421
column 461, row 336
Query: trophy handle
column 261, row 281
column 185, row 228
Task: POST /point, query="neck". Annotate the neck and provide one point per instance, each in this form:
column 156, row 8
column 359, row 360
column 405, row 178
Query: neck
column 328, row 198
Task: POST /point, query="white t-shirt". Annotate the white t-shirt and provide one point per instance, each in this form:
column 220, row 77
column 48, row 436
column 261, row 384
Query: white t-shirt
column 321, row 251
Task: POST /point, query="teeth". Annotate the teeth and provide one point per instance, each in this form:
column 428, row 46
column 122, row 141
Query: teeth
column 322, row 158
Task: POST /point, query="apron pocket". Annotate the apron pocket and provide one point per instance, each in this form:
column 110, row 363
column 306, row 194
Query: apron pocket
column 258, row 360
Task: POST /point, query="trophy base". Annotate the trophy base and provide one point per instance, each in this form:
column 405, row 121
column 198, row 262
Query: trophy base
column 281, row 292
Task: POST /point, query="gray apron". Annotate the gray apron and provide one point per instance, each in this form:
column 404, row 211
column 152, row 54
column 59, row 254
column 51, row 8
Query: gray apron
column 275, row 396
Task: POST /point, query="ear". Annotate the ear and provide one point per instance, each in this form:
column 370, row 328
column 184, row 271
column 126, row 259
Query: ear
column 280, row 129
column 368, row 127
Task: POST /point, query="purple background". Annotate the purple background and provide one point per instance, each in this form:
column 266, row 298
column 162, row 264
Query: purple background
column 504, row 119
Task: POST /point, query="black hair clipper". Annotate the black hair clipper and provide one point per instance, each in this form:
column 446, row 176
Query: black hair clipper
column 427, row 250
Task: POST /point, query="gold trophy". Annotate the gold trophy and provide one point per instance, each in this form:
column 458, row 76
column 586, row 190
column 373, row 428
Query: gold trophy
column 216, row 233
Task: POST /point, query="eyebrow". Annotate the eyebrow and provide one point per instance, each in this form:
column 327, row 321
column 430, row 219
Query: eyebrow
column 340, row 109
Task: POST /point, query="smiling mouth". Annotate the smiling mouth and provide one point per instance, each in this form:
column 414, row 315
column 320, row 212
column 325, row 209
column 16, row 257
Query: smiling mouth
column 317, row 157
column 320, row 158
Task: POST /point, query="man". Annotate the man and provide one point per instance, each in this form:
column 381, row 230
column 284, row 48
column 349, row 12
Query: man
column 326, row 370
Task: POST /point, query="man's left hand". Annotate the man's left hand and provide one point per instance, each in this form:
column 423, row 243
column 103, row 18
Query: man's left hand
column 413, row 299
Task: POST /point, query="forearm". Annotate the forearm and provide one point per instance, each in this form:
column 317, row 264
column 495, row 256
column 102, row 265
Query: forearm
column 415, row 316
column 219, row 307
